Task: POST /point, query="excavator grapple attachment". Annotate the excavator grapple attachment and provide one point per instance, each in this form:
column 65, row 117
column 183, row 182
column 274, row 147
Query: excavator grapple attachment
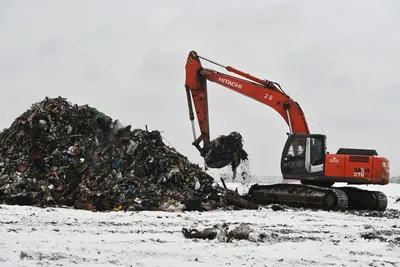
column 225, row 150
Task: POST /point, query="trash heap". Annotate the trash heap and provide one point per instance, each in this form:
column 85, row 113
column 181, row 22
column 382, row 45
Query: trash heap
column 57, row 153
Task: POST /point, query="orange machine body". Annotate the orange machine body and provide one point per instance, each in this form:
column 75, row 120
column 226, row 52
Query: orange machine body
column 357, row 169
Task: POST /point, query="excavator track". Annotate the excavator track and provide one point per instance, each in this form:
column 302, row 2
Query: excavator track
column 299, row 195
column 360, row 199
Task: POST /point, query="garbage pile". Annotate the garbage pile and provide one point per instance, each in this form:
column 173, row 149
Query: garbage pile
column 57, row 153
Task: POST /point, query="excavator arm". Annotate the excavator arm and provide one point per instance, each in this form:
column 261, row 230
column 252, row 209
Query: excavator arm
column 264, row 91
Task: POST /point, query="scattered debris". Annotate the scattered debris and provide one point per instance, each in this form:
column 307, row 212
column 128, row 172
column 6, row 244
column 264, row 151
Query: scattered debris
column 243, row 232
column 57, row 153
column 391, row 236
column 209, row 233
column 388, row 213
column 233, row 198
column 276, row 207
column 221, row 232
column 373, row 236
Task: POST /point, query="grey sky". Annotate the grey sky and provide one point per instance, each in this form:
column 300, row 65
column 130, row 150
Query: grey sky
column 338, row 59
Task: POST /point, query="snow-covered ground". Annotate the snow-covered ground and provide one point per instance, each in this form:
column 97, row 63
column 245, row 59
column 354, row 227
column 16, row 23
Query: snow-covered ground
column 63, row 237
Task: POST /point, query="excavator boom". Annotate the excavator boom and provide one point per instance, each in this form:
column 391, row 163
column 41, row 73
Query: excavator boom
column 264, row 91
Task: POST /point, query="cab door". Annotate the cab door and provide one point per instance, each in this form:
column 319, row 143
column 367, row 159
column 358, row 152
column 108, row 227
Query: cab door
column 294, row 156
column 315, row 154
column 303, row 155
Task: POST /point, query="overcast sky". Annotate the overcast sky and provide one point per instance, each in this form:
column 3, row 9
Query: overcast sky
column 338, row 59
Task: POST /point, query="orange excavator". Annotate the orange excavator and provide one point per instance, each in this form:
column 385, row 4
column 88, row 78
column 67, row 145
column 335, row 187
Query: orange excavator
column 304, row 156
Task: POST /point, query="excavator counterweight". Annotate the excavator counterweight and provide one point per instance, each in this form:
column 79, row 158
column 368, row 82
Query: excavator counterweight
column 304, row 156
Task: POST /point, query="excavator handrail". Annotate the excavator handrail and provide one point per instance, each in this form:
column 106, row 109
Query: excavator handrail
column 245, row 75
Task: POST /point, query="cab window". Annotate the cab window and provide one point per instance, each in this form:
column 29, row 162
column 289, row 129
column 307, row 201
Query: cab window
column 297, row 147
column 317, row 151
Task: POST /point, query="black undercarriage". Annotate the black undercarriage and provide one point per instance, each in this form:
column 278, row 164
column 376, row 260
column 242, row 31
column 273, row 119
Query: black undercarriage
column 319, row 197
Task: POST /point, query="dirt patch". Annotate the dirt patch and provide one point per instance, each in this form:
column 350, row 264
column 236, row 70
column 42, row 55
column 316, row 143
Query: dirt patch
column 388, row 214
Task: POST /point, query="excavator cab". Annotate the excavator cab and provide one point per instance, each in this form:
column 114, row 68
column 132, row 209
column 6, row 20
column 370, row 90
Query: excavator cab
column 303, row 156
